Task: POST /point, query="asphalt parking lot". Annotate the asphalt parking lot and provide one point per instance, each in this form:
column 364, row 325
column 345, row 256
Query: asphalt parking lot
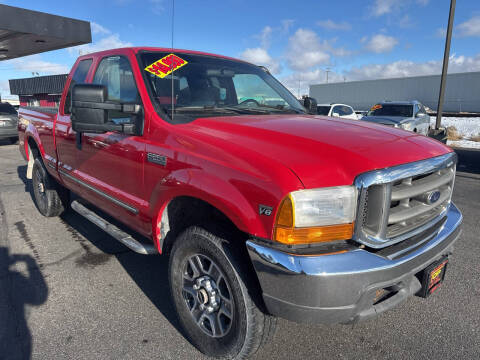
column 69, row 291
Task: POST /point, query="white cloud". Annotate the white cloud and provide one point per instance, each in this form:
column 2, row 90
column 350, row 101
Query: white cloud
column 157, row 6
column 331, row 25
column 382, row 7
column 4, row 88
column 110, row 42
column 441, row 32
column 34, row 63
column 404, row 68
column 99, row 29
column 305, row 50
column 265, row 37
column 405, row 22
column 260, row 56
column 470, row 27
column 286, row 25
column 381, row 43
column 298, row 83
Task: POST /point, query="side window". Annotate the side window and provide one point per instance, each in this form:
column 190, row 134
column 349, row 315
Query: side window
column 347, row 110
column 416, row 109
column 339, row 110
column 116, row 74
column 422, row 110
column 78, row 77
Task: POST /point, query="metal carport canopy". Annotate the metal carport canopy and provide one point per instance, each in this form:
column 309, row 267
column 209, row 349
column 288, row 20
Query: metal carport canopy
column 26, row 32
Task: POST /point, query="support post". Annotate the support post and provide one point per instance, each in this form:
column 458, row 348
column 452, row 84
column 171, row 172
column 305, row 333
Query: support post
column 446, row 56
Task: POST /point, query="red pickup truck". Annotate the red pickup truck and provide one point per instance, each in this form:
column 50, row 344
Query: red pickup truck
column 264, row 209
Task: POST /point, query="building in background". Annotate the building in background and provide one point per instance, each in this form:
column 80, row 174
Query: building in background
column 462, row 93
column 42, row 91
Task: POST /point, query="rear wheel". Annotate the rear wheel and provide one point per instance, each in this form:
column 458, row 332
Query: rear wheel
column 13, row 140
column 209, row 290
column 47, row 193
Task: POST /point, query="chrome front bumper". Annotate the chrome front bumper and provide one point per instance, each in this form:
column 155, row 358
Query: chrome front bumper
column 341, row 288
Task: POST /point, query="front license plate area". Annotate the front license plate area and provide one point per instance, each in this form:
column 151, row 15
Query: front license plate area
column 432, row 277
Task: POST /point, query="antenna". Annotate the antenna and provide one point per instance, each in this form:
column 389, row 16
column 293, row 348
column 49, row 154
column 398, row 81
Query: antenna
column 171, row 62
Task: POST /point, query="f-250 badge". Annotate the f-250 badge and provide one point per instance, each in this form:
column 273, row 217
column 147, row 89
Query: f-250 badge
column 265, row 210
column 166, row 65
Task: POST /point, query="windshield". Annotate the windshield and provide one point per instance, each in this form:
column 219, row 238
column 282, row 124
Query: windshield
column 6, row 108
column 391, row 110
column 323, row 110
column 210, row 86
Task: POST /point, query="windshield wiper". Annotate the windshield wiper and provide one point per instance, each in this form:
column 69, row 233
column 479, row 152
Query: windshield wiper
column 242, row 110
column 217, row 109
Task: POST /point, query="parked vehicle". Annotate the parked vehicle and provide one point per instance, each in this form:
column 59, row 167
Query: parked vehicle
column 407, row 115
column 8, row 122
column 337, row 110
column 262, row 209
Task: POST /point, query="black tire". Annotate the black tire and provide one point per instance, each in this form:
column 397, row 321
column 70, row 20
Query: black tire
column 238, row 336
column 47, row 193
column 13, row 140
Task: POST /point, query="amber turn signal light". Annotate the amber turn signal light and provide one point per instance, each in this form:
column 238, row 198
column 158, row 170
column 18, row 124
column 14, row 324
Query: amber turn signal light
column 285, row 231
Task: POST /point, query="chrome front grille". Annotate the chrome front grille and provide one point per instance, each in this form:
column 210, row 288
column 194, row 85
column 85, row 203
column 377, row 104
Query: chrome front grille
column 400, row 202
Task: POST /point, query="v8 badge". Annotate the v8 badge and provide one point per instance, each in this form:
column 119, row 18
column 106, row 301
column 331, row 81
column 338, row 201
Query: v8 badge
column 265, row 210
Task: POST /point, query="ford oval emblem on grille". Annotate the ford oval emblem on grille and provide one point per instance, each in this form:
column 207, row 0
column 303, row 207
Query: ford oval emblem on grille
column 433, row 197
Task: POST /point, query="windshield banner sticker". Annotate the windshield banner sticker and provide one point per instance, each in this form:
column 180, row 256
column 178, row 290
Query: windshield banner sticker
column 166, row 65
column 375, row 107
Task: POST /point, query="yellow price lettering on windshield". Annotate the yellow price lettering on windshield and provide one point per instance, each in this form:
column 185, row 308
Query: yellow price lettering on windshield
column 166, row 65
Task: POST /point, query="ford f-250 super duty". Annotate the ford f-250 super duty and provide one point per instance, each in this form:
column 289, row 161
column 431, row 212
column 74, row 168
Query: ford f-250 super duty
column 264, row 210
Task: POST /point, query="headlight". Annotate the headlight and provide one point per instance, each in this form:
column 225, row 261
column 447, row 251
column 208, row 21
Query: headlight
column 318, row 215
column 406, row 126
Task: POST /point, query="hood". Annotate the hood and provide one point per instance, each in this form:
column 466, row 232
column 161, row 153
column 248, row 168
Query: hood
column 321, row 151
column 387, row 120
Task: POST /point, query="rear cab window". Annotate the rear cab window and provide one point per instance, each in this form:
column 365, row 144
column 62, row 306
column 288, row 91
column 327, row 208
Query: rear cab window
column 78, row 77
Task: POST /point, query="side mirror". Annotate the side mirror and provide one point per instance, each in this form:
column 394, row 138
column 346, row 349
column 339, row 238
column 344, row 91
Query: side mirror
column 336, row 115
column 86, row 112
column 310, row 104
column 90, row 111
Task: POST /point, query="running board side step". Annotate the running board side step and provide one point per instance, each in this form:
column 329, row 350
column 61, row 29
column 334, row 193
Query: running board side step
column 115, row 232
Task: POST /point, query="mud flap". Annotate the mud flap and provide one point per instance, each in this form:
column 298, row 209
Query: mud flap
column 30, row 163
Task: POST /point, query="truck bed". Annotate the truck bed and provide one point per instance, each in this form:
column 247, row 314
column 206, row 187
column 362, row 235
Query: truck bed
column 38, row 123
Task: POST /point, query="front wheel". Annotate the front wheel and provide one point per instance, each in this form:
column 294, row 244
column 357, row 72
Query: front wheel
column 209, row 290
column 49, row 196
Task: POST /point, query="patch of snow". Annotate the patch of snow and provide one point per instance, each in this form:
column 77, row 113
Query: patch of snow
column 464, row 144
column 467, row 127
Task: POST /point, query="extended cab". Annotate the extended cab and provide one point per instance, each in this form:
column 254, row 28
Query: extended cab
column 264, row 210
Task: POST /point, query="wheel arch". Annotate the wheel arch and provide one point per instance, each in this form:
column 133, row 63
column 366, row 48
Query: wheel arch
column 32, row 151
column 183, row 211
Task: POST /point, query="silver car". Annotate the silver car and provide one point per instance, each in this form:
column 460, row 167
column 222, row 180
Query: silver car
column 8, row 122
column 407, row 115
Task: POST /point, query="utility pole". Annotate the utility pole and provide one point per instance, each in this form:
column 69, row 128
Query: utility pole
column 327, row 70
column 446, row 56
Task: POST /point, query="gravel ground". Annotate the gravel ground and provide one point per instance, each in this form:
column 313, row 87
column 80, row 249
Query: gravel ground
column 69, row 291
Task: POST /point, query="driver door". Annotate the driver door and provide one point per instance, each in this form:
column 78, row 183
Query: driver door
column 108, row 167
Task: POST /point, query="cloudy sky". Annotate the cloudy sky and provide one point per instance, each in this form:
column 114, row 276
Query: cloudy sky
column 298, row 41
